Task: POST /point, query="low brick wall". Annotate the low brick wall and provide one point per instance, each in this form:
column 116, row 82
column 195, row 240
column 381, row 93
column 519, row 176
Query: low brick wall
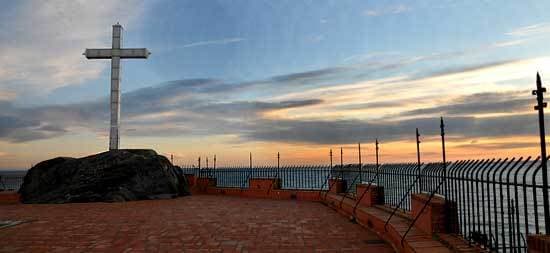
column 436, row 217
column 336, row 185
column 259, row 188
column 191, row 180
column 538, row 243
column 9, row 197
column 370, row 195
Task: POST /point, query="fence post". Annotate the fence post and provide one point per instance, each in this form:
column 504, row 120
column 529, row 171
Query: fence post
column 331, row 160
column 377, row 165
column 341, row 158
column 418, row 161
column 540, row 108
column 278, row 163
column 200, row 173
column 442, row 126
column 360, row 165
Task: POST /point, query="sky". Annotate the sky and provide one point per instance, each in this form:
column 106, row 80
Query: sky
column 227, row 78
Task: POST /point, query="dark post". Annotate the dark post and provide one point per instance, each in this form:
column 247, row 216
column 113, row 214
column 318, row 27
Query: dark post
column 331, row 159
column 207, row 162
column 250, row 160
column 418, row 160
column 377, row 165
column 172, row 158
column 444, row 158
column 540, row 108
column 278, row 160
column 214, row 161
column 360, row 165
column 341, row 158
column 199, row 162
column 278, row 163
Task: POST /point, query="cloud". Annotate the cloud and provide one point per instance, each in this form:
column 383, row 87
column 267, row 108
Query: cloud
column 350, row 131
column 180, row 107
column 509, row 43
column 531, row 30
column 41, row 43
column 309, row 75
column 387, row 10
column 212, row 42
column 480, row 103
column 498, row 145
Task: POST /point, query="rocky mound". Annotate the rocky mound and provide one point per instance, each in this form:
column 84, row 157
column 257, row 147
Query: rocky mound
column 117, row 175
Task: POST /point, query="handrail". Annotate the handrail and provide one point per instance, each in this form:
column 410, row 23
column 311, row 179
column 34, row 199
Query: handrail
column 276, row 178
column 432, row 194
column 330, row 185
column 246, row 180
column 400, row 202
column 357, row 201
column 346, row 193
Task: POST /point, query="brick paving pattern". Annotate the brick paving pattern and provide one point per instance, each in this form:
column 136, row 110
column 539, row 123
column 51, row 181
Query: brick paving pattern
column 199, row 223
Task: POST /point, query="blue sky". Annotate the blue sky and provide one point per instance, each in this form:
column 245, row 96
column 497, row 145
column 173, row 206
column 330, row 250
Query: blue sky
column 252, row 40
column 236, row 68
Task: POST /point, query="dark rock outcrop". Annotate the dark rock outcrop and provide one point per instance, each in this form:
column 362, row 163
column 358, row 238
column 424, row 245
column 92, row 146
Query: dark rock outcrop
column 117, row 175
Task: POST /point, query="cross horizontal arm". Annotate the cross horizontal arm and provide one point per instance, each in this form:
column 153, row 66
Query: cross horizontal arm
column 139, row 53
column 98, row 53
column 128, row 53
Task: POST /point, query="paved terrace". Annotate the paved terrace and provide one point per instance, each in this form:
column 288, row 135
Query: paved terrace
column 200, row 223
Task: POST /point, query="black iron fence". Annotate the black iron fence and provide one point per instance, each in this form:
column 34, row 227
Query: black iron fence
column 498, row 201
column 10, row 182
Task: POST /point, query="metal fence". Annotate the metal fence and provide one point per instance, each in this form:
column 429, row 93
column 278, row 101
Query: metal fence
column 498, row 201
column 292, row 177
column 10, row 182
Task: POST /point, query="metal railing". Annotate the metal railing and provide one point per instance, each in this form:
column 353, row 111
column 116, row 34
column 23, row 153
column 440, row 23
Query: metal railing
column 292, row 177
column 497, row 201
column 11, row 182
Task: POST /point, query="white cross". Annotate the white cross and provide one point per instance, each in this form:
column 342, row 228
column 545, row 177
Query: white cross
column 115, row 54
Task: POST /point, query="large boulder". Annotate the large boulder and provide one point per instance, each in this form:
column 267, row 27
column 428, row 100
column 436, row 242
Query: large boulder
column 117, row 175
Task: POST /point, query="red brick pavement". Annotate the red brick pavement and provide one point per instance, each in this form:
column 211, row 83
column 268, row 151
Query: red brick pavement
column 200, row 223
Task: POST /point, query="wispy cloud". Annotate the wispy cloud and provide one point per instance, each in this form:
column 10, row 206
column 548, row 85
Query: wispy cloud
column 213, row 42
column 509, row 43
column 531, row 30
column 387, row 10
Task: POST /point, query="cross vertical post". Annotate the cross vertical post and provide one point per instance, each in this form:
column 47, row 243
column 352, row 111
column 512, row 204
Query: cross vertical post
column 539, row 92
column 442, row 126
column 418, row 160
column 115, row 54
column 114, row 138
column 214, row 161
column 250, row 160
